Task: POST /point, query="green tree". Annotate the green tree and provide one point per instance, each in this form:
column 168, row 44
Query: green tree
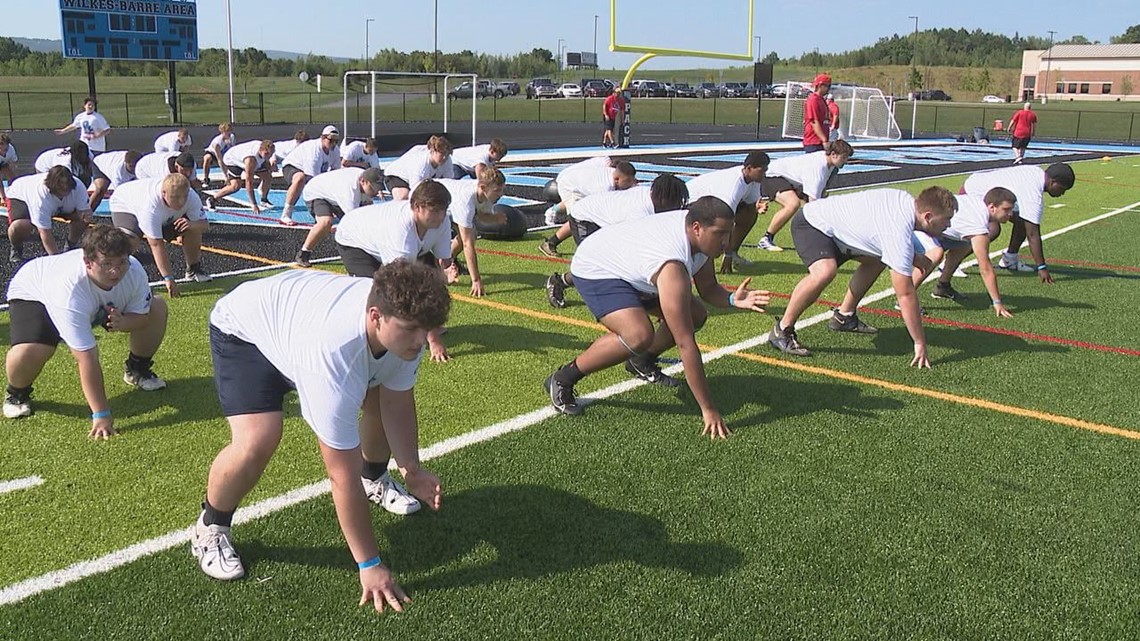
column 985, row 82
column 772, row 58
column 1131, row 35
column 915, row 79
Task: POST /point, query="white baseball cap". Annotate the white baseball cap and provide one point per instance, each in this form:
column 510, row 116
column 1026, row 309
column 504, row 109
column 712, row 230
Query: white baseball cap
column 330, row 131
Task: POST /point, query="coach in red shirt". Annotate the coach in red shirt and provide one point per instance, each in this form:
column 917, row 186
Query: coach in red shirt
column 817, row 117
column 613, row 105
column 1022, row 126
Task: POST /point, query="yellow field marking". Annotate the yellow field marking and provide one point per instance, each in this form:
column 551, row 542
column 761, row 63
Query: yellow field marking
column 970, row 401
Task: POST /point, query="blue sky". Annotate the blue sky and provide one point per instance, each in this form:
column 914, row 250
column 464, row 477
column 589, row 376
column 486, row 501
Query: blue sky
column 790, row 27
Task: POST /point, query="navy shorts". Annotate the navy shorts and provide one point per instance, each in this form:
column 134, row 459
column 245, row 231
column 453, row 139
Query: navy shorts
column 812, row 244
column 246, row 381
column 608, row 295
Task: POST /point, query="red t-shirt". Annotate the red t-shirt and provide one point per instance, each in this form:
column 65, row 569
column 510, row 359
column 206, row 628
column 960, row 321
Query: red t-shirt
column 1021, row 125
column 612, row 106
column 833, row 109
column 816, row 111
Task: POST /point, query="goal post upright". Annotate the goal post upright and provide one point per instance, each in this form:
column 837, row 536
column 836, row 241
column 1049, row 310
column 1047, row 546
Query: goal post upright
column 372, row 81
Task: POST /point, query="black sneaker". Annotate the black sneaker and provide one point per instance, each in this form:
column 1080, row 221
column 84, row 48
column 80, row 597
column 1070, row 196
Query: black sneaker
column 302, row 259
column 15, row 255
column 211, row 203
column 947, row 291
column 562, row 396
column 651, row 374
column 556, row 291
column 197, row 274
column 547, row 249
column 841, row 323
column 461, row 269
column 786, row 341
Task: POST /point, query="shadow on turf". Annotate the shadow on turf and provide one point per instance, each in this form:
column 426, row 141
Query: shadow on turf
column 467, row 340
column 192, row 399
column 967, row 343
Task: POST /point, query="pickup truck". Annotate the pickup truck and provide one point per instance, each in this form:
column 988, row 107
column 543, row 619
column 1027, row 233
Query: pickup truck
column 484, row 89
column 506, row 88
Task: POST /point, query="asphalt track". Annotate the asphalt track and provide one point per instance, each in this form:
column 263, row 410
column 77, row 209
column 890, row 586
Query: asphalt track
column 538, row 151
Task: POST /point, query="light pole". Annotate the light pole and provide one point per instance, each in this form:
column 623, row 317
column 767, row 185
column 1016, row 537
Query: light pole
column 595, row 45
column 757, row 48
column 230, row 57
column 913, row 74
column 1049, row 64
column 560, row 41
column 366, row 24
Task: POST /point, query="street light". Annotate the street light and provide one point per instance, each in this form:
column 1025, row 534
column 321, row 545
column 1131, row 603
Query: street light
column 230, row 57
column 914, row 44
column 757, row 48
column 366, row 23
column 595, row 45
column 1049, row 63
column 560, row 41
column 913, row 74
column 435, row 45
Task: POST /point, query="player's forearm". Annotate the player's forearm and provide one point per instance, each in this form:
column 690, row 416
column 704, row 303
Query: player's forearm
column 912, row 316
column 470, row 254
column 352, row 511
column 695, row 373
column 161, row 258
column 48, row 241
column 91, row 380
column 1036, row 247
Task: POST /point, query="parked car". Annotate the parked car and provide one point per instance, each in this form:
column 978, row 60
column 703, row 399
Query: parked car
column 751, row 91
column 596, row 89
column 531, row 87
column 506, row 88
column 992, row 98
column 483, row 89
column 933, row 94
column 780, row 90
column 707, row 90
column 648, row 89
column 570, row 90
column 683, row 90
column 732, row 89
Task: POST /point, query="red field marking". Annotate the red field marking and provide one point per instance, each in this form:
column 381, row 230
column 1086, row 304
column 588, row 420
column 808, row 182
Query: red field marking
column 549, row 259
column 1082, row 263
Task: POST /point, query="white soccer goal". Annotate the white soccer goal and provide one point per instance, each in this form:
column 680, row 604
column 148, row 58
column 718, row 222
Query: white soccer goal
column 418, row 92
column 864, row 113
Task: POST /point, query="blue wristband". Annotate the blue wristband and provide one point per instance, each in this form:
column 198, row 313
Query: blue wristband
column 1042, row 267
column 370, row 563
column 731, row 298
column 169, row 278
column 103, row 414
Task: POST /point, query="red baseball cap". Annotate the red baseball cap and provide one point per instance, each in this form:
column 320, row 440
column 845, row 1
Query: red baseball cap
column 821, row 79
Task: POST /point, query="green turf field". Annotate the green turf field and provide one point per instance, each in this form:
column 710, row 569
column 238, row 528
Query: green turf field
column 990, row 497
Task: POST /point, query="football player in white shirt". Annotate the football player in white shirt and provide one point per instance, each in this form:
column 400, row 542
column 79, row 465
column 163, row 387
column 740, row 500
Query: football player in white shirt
column 63, row 298
column 793, row 180
column 586, row 178
column 241, row 164
column 350, row 347
column 360, row 154
column 216, row 150
column 92, row 126
column 333, row 194
column 283, row 147
column 666, row 193
column 76, row 157
column 977, row 222
column 629, row 271
column 308, row 159
column 161, row 210
column 471, row 200
column 173, row 141
column 422, row 162
column 1029, row 183
column 875, row 228
column 739, row 188
column 8, row 160
column 112, row 169
column 415, row 229
column 466, row 161
column 34, row 200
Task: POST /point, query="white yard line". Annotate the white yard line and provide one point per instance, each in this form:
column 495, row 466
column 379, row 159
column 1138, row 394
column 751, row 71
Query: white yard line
column 20, row 484
column 21, row 590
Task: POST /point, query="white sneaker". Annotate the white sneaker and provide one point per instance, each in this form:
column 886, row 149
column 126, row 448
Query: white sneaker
column 287, row 219
column 738, row 260
column 390, row 495
column 211, row 545
column 553, row 217
column 145, row 380
column 1016, row 266
column 17, row 407
column 768, row 245
column 959, row 273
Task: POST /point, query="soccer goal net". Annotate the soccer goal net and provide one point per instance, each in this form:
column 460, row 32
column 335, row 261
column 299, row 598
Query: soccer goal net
column 374, row 100
column 864, row 112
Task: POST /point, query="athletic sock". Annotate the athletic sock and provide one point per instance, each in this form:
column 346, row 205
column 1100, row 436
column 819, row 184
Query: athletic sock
column 569, row 374
column 213, row 516
column 553, row 241
column 306, row 253
column 770, row 236
column 137, row 363
column 373, row 470
column 19, row 392
column 644, row 360
column 1009, row 257
column 564, row 281
column 839, row 313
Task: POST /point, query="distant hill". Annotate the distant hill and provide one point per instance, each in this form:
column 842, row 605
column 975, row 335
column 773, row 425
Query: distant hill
column 44, row 45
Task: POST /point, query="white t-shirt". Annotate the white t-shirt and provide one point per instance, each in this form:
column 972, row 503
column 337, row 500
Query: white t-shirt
column 89, row 125
column 282, row 148
column 311, row 159
column 591, row 176
column 237, row 154
column 466, row 158
column 169, row 142
column 59, row 157
column 808, row 171
column 10, row 156
column 387, row 232
column 971, row 219
column 1026, row 182
column 415, row 166
column 42, row 204
column 310, row 325
column 220, row 144
column 354, row 152
column 464, row 201
column 726, row 184
column 143, row 198
column 155, row 165
column 339, row 186
column 635, row 251
column 113, row 164
column 614, row 207
column 876, row 222
column 72, row 299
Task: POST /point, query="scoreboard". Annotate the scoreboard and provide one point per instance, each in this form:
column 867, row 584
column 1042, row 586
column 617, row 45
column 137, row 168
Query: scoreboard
column 130, row 29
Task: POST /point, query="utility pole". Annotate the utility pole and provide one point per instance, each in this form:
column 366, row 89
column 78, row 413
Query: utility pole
column 595, row 45
column 559, row 54
column 366, row 24
column 913, row 74
column 1048, row 65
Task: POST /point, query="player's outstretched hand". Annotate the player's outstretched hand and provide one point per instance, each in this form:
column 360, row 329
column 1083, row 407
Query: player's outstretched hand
column 477, row 288
column 753, row 299
column 715, row 426
column 920, row 359
column 102, row 429
column 424, row 485
column 379, row 586
column 1045, row 276
column 1001, row 312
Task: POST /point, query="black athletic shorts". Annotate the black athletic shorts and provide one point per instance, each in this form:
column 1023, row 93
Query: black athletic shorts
column 580, row 229
column 288, row 171
column 246, row 381
column 29, row 322
column 321, row 208
column 1020, row 143
column 130, row 223
column 811, row 149
column 96, row 174
column 770, row 186
column 357, row 262
column 18, row 210
column 812, row 244
column 234, row 171
column 210, row 153
column 609, row 124
column 395, row 182
column 460, row 173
